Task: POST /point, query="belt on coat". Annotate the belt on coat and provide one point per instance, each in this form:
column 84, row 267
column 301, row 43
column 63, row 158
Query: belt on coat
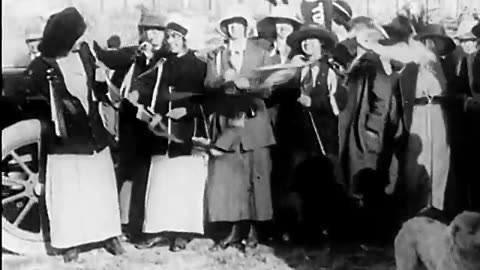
column 429, row 100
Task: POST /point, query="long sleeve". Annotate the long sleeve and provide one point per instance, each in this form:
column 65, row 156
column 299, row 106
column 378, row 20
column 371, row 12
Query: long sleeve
column 213, row 80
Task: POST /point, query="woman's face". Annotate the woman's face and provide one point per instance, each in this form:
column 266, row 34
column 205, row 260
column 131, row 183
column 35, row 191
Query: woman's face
column 155, row 37
column 283, row 30
column 236, row 30
column 176, row 42
column 312, row 47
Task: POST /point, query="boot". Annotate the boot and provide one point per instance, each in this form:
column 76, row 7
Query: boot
column 233, row 238
column 71, row 255
column 177, row 244
column 151, row 242
column 252, row 239
column 114, row 247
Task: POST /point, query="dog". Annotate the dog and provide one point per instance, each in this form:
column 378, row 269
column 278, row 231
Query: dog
column 425, row 241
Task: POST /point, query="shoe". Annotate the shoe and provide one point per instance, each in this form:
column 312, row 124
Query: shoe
column 71, row 255
column 177, row 244
column 252, row 239
column 151, row 242
column 233, row 238
column 114, row 247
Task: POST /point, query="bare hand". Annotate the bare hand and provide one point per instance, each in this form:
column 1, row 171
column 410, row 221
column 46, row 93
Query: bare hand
column 177, row 113
column 229, row 75
column 242, row 83
column 133, row 97
column 156, row 121
column 305, row 100
column 298, row 60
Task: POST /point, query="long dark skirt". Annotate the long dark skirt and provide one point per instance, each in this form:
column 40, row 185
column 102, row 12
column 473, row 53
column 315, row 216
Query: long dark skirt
column 238, row 187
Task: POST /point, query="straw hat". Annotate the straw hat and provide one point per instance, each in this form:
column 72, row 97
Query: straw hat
column 237, row 12
column 464, row 31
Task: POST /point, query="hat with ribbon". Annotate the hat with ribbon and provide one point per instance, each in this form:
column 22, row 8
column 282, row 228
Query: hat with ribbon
column 437, row 32
column 280, row 14
column 309, row 31
column 61, row 32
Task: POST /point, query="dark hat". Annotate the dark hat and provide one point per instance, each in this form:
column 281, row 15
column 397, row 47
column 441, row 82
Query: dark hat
column 399, row 30
column 61, row 32
column 266, row 26
column 476, row 30
column 342, row 12
column 437, row 31
column 148, row 19
column 173, row 26
column 312, row 31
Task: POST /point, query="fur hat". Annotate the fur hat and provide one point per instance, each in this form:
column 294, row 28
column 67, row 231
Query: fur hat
column 63, row 29
column 312, row 31
column 280, row 13
column 437, row 31
column 149, row 19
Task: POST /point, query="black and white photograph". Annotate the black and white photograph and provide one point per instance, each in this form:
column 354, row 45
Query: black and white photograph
column 240, row 134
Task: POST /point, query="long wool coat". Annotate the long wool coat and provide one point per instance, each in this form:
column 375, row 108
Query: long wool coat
column 239, row 183
column 370, row 119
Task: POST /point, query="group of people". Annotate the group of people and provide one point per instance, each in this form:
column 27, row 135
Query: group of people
column 289, row 121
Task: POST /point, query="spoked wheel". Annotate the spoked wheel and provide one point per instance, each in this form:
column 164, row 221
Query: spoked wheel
column 23, row 210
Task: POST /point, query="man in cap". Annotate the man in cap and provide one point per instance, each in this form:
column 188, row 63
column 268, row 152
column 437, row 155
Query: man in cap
column 81, row 190
column 238, row 191
column 33, row 36
column 134, row 144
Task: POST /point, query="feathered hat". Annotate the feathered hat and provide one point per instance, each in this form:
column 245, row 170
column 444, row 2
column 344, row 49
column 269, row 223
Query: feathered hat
column 61, row 32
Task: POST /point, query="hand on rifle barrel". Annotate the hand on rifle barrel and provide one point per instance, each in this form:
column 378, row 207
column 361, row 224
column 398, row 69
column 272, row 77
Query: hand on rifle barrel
column 305, row 100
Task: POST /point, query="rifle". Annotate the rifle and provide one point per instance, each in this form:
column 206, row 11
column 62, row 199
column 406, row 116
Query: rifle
column 56, row 106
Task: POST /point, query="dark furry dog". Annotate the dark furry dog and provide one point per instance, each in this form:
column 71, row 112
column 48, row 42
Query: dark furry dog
column 424, row 241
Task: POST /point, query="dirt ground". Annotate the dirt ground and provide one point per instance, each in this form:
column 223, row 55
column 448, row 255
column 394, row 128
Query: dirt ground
column 197, row 256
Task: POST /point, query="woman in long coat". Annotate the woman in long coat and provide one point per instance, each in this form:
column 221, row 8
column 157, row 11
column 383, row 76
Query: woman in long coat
column 238, row 188
column 81, row 190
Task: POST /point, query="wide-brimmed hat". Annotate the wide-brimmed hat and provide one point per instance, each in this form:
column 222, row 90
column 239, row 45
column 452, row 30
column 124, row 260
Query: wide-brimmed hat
column 312, row 31
column 150, row 19
column 280, row 13
column 464, row 31
column 61, row 32
column 437, row 31
column 399, row 30
column 238, row 13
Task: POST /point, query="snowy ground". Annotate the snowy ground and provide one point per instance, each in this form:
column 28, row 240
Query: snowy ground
column 197, row 256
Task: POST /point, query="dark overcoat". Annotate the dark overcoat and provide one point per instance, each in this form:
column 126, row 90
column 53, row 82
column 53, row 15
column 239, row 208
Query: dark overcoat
column 86, row 133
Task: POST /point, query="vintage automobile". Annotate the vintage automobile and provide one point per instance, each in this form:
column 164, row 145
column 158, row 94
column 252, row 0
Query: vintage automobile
column 23, row 122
